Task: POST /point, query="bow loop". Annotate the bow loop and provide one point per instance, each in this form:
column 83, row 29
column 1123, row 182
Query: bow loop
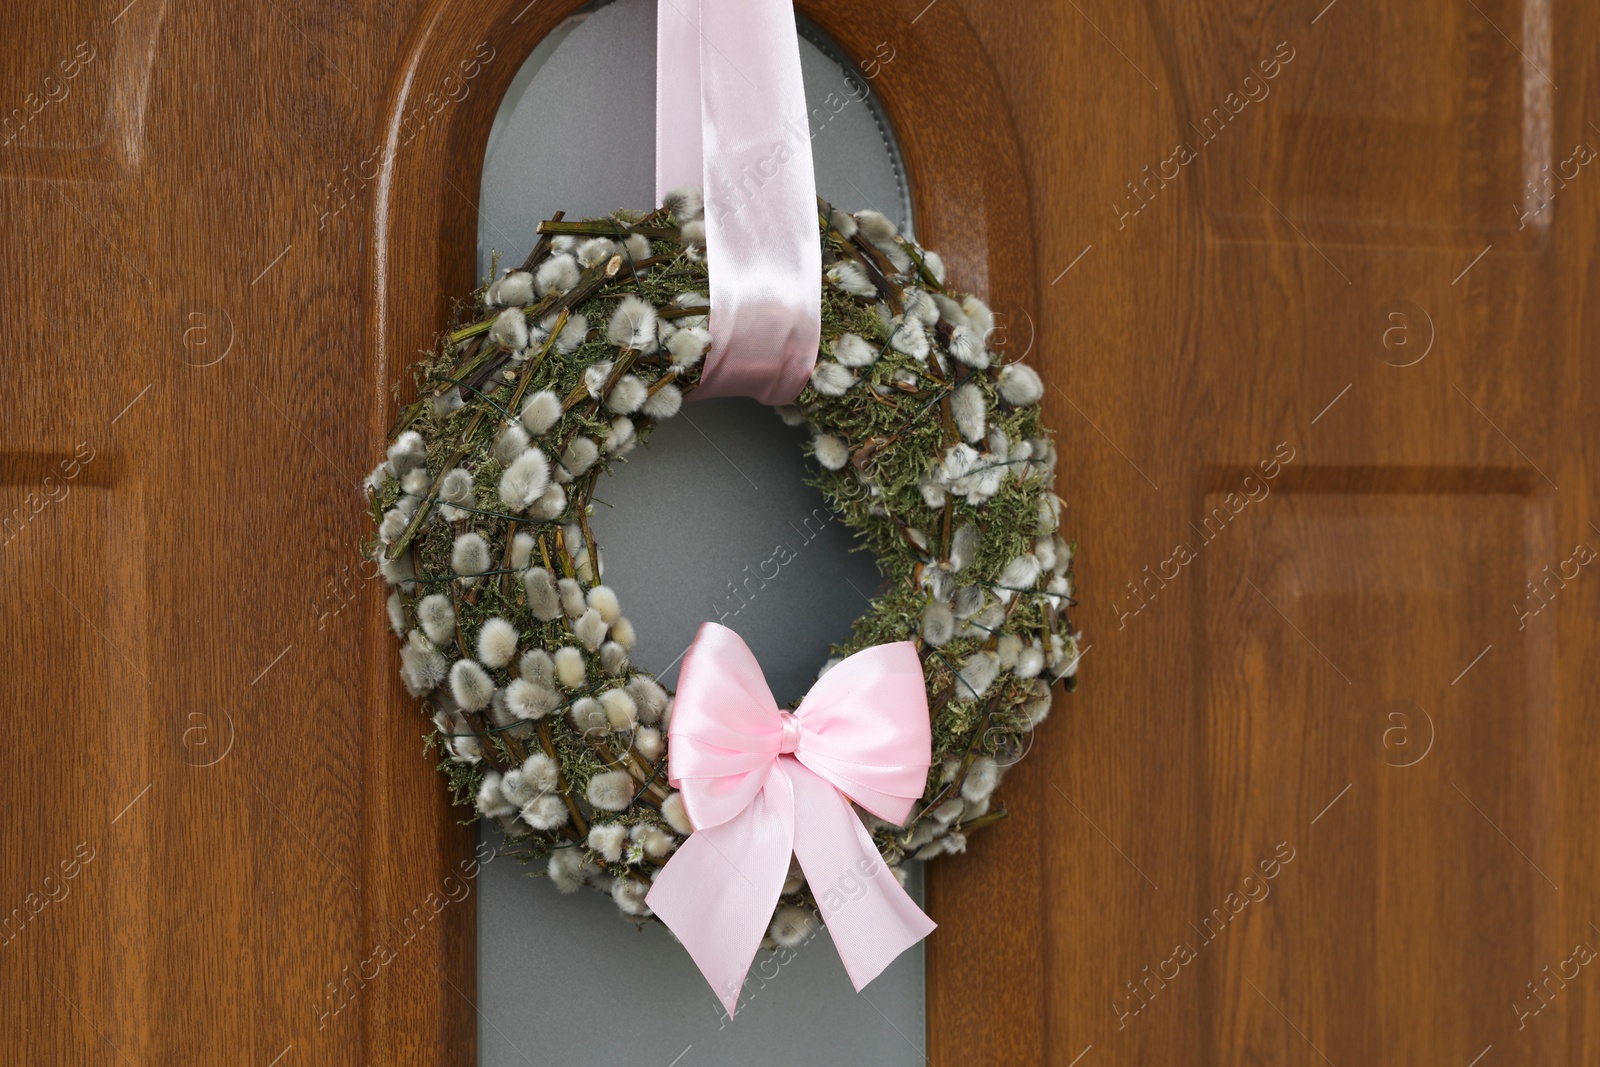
column 863, row 755
column 760, row 784
column 729, row 725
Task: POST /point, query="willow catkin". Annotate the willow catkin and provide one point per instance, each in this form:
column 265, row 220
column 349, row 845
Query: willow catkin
column 929, row 448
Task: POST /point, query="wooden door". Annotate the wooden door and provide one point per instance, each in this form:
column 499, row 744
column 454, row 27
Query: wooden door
column 1315, row 298
column 1334, row 352
column 228, row 230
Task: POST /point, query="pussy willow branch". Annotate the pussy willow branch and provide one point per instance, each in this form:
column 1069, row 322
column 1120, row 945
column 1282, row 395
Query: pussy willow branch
column 579, row 824
column 541, row 247
column 608, row 228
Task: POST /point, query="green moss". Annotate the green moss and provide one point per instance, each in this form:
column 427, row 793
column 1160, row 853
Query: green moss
column 902, row 433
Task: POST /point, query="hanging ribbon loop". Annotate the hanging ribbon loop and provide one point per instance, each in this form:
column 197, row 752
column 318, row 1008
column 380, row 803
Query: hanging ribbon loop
column 759, row 784
column 731, row 118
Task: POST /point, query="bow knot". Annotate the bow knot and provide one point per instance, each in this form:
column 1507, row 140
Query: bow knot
column 791, row 732
column 761, row 784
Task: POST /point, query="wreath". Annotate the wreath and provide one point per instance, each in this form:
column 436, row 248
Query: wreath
column 927, row 444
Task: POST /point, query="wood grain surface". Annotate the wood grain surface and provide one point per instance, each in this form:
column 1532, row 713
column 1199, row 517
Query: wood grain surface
column 1319, row 381
column 1351, row 666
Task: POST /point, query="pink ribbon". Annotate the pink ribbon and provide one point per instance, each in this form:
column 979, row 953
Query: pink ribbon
column 760, row 784
column 731, row 118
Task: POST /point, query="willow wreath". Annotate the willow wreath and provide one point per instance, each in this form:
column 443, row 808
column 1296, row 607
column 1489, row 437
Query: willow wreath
column 927, row 444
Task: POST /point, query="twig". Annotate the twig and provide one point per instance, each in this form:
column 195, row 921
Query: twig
column 563, row 555
column 630, row 765
column 681, row 313
column 425, row 508
column 922, row 264
column 662, row 382
column 542, row 247
column 545, row 742
column 534, row 361
column 471, row 357
column 588, row 536
column 581, row 390
column 878, row 269
column 606, row 228
column 981, row 821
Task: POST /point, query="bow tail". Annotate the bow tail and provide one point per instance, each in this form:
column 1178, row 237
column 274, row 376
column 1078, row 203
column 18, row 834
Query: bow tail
column 718, row 891
column 871, row 918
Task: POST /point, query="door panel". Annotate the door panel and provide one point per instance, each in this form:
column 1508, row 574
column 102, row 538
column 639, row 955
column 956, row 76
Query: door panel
column 84, row 853
column 227, row 237
column 1406, row 124
column 187, row 660
column 1388, row 586
column 1348, row 659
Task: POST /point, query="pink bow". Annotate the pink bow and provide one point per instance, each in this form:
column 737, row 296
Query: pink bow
column 760, row 784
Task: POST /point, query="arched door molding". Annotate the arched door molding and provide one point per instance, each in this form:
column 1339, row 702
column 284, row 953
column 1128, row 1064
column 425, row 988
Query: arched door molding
column 965, row 165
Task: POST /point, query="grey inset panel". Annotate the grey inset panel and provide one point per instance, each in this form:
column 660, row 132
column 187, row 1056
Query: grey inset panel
column 711, row 521
column 576, row 132
column 563, row 981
